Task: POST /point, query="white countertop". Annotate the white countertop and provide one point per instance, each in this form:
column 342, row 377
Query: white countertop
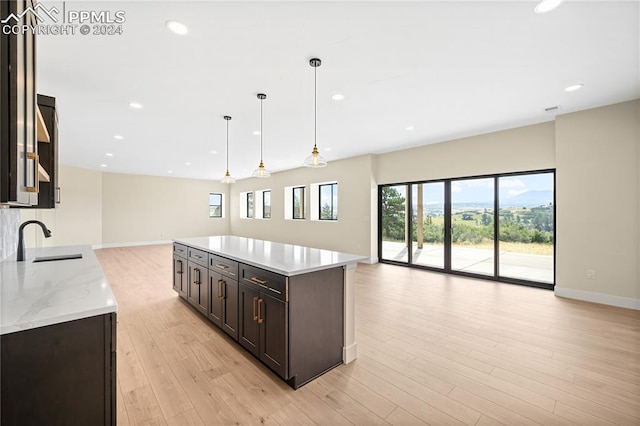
column 39, row 294
column 284, row 259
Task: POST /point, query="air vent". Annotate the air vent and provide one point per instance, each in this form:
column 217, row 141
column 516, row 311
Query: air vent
column 553, row 109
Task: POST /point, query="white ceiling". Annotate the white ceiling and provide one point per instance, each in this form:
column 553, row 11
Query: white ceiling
column 450, row 69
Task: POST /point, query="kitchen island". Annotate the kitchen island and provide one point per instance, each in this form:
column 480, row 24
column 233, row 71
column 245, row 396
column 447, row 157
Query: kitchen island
column 290, row 306
column 57, row 339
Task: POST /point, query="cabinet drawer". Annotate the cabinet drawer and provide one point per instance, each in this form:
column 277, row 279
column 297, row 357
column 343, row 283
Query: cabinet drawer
column 275, row 284
column 179, row 250
column 223, row 266
column 198, row 256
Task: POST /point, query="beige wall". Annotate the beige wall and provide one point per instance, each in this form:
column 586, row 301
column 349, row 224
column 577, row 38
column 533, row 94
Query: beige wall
column 139, row 208
column 513, row 150
column 77, row 219
column 598, row 187
column 351, row 233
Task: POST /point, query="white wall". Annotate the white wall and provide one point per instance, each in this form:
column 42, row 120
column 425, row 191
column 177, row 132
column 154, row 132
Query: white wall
column 139, row 208
column 77, row 219
column 513, row 150
column 351, row 233
column 598, row 204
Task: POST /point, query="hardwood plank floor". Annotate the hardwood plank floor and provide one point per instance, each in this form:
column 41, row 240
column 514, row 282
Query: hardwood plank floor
column 433, row 349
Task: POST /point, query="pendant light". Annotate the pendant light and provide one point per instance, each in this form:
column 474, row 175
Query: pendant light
column 227, row 177
column 315, row 160
column 261, row 172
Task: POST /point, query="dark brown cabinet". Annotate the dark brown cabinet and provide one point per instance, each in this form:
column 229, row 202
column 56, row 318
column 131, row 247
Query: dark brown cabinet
column 263, row 314
column 198, row 280
column 61, row 374
column 293, row 324
column 180, row 271
column 49, row 189
column 18, row 110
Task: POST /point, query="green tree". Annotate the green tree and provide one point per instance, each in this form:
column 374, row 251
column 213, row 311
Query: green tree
column 393, row 214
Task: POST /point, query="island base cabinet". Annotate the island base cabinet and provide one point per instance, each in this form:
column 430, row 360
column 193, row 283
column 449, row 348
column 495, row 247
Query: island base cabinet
column 272, row 318
column 198, row 287
column 223, row 303
column 249, row 329
column 180, row 275
column 61, row 374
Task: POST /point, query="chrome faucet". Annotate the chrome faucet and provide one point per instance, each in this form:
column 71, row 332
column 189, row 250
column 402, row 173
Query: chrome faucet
column 21, row 248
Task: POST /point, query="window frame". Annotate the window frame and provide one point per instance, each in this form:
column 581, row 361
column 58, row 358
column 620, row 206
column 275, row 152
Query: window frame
column 264, row 210
column 293, row 202
column 334, row 193
column 213, row 205
column 250, row 205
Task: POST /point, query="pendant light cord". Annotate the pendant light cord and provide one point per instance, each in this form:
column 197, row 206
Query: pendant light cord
column 261, row 145
column 315, row 106
column 227, row 145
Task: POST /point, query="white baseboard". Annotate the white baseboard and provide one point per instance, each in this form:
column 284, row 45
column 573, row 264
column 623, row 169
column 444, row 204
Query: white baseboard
column 349, row 353
column 605, row 299
column 371, row 260
column 132, row 244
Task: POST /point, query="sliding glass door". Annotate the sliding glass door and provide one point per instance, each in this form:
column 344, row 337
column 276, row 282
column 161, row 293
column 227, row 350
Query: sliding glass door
column 427, row 223
column 472, row 236
column 393, row 229
column 527, row 227
column 499, row 226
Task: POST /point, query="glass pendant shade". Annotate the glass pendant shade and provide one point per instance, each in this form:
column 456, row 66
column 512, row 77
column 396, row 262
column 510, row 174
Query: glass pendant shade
column 315, row 159
column 261, row 172
column 227, row 177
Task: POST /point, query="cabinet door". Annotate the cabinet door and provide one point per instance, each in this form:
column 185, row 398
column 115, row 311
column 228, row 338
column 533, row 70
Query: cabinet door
column 249, row 329
column 230, row 311
column 272, row 318
column 215, row 298
column 180, row 276
column 198, row 283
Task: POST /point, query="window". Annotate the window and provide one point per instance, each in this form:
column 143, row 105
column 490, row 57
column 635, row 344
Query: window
column 215, row 205
column 298, row 202
column 295, row 198
column 249, row 204
column 498, row 226
column 266, row 204
column 328, row 201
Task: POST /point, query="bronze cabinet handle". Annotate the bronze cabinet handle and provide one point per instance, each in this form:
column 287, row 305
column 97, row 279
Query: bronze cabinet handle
column 255, row 316
column 259, row 281
column 220, row 284
column 180, row 271
column 59, row 194
column 221, row 266
column 260, row 320
column 197, row 281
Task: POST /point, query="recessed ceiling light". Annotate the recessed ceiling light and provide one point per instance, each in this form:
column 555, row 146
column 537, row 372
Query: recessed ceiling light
column 213, row 151
column 119, row 137
column 187, row 164
column 328, row 149
column 108, row 154
column 337, row 96
column 103, row 165
column 135, row 105
column 256, row 132
column 573, row 87
column 170, row 171
column 410, row 128
column 545, row 6
column 177, row 27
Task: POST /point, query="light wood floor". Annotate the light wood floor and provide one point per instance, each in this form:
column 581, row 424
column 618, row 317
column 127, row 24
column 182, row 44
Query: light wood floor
column 433, row 349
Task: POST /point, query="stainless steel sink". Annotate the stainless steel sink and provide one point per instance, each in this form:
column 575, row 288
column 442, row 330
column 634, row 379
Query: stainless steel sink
column 56, row 258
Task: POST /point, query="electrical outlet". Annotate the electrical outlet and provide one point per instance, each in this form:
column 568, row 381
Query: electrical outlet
column 591, row 274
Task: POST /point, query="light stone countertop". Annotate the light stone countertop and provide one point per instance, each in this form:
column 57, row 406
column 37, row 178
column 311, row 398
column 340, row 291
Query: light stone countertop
column 283, row 259
column 39, row 294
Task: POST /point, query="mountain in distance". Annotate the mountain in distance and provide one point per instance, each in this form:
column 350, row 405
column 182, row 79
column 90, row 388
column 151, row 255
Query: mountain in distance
column 529, row 199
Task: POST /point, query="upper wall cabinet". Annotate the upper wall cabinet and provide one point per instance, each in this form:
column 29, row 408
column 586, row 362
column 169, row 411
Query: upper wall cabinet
column 49, row 194
column 18, row 110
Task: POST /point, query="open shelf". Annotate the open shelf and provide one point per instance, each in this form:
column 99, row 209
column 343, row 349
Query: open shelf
column 43, row 176
column 43, row 134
